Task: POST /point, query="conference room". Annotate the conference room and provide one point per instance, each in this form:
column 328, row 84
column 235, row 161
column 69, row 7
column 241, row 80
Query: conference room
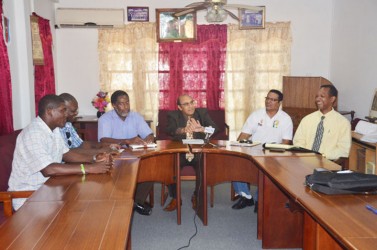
column 227, row 67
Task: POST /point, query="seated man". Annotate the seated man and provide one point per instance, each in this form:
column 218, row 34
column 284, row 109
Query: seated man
column 124, row 127
column 267, row 125
column 71, row 138
column 40, row 150
column 185, row 123
column 325, row 131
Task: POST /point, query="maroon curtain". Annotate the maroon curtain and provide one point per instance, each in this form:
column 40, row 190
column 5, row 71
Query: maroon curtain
column 195, row 68
column 6, row 116
column 44, row 82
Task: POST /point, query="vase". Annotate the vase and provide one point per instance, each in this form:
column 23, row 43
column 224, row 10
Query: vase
column 99, row 113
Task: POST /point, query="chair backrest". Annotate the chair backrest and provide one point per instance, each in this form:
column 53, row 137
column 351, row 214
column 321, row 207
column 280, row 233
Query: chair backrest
column 354, row 123
column 7, row 145
column 218, row 116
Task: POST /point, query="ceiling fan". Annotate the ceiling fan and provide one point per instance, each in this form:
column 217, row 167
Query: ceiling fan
column 217, row 10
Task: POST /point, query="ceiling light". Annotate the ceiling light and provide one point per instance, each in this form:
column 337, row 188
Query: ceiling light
column 216, row 14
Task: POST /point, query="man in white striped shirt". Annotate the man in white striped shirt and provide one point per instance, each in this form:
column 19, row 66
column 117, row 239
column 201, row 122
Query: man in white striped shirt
column 40, row 150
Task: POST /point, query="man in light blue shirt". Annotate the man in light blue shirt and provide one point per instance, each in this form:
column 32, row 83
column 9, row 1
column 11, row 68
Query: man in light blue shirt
column 124, row 127
column 115, row 128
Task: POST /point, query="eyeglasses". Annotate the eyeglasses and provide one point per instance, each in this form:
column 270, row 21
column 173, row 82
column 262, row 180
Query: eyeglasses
column 271, row 99
column 68, row 135
column 186, row 104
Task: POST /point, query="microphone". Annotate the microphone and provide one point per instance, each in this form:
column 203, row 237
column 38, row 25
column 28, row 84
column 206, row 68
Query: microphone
column 209, row 132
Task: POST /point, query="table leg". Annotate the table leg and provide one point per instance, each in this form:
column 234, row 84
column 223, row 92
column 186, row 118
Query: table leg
column 281, row 228
column 202, row 195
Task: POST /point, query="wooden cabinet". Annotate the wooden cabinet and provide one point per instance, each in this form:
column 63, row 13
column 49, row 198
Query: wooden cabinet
column 362, row 154
column 299, row 96
column 87, row 127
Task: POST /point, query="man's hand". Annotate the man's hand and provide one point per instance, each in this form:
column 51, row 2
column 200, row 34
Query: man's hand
column 149, row 139
column 115, row 146
column 137, row 140
column 104, row 157
column 194, row 126
column 97, row 168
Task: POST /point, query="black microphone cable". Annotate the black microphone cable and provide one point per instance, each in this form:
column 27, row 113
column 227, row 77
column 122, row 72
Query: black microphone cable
column 199, row 175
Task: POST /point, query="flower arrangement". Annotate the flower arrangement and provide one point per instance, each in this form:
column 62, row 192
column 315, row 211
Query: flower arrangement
column 100, row 101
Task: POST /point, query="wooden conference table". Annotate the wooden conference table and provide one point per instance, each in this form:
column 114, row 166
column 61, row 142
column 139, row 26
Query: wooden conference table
column 94, row 211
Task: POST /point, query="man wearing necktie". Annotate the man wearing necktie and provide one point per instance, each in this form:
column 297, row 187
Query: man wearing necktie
column 325, row 131
column 187, row 122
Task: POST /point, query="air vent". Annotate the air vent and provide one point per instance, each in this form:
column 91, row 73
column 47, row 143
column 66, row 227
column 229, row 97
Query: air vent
column 89, row 18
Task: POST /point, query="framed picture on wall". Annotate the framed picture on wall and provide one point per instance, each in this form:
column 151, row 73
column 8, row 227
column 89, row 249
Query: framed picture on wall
column 37, row 50
column 175, row 29
column 252, row 18
column 137, row 14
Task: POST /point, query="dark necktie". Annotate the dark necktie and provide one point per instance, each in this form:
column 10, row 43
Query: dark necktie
column 189, row 155
column 318, row 135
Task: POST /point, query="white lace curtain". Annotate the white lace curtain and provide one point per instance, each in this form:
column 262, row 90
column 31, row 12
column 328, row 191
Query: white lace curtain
column 128, row 60
column 256, row 61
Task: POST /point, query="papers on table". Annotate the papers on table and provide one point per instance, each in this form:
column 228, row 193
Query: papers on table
column 193, row 141
column 137, row 146
column 372, row 138
column 276, row 145
column 368, row 130
column 242, row 144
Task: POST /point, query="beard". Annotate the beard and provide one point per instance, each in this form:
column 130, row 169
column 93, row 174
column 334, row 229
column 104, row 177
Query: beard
column 122, row 114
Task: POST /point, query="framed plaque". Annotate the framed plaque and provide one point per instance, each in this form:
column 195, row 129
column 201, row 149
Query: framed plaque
column 252, row 19
column 137, row 14
column 38, row 58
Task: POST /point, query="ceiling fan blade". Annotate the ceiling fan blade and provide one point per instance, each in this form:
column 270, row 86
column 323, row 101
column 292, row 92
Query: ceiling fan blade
column 196, row 4
column 243, row 6
column 184, row 12
column 231, row 14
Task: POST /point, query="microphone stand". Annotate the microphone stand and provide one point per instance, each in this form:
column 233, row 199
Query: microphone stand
column 207, row 142
column 213, row 145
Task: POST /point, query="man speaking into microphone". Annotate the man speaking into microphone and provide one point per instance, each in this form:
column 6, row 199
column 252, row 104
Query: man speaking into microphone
column 188, row 122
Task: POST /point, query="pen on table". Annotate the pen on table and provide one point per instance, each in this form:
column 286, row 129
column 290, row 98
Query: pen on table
column 371, row 208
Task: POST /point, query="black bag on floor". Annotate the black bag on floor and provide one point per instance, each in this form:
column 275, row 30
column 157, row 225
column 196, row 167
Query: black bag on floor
column 328, row 182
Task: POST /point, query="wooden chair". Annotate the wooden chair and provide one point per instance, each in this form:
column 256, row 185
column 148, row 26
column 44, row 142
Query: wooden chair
column 188, row 172
column 7, row 145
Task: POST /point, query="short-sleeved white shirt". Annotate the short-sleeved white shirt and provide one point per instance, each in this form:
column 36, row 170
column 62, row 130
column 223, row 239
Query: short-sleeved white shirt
column 36, row 148
column 265, row 129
